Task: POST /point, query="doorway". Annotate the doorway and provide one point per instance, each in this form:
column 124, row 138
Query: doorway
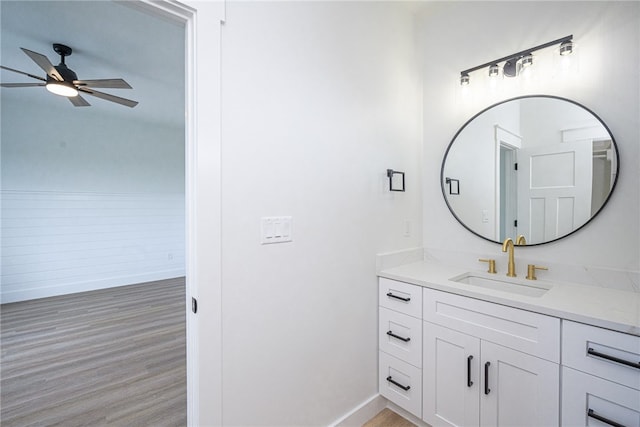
column 508, row 192
column 507, row 145
column 65, row 135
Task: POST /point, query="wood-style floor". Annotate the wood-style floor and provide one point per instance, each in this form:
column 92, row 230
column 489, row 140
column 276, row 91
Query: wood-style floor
column 388, row 418
column 114, row 357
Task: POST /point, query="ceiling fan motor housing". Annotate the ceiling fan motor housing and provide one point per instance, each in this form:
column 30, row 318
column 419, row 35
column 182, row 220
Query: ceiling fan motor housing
column 67, row 73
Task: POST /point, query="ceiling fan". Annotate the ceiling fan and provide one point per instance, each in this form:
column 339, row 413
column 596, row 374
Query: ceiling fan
column 63, row 81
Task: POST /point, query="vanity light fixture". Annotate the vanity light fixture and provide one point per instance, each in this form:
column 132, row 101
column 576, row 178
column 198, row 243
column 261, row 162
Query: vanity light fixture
column 566, row 48
column 516, row 62
column 494, row 70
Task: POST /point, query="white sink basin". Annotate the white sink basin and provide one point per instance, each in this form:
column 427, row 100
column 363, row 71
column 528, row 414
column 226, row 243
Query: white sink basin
column 513, row 285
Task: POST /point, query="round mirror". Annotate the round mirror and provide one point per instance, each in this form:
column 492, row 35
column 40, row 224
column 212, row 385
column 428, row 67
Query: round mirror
column 537, row 166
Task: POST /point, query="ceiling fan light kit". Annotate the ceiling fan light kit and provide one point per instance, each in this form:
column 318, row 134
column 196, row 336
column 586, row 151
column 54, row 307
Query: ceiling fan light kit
column 63, row 81
column 61, row 88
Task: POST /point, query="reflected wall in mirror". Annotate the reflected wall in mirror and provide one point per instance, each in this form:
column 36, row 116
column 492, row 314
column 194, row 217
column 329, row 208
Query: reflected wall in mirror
column 540, row 166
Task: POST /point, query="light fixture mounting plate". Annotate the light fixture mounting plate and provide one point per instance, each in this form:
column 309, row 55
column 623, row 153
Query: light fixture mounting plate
column 511, row 67
column 62, row 50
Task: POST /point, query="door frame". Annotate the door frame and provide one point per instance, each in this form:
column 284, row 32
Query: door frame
column 509, row 188
column 507, row 139
column 202, row 21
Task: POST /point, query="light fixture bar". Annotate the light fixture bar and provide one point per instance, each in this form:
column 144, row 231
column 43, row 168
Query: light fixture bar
column 518, row 54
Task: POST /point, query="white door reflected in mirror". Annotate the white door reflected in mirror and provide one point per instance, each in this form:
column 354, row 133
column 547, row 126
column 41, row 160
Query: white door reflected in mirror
column 540, row 166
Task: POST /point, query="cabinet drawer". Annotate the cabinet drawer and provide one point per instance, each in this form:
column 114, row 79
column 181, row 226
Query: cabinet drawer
column 401, row 336
column 521, row 330
column 582, row 393
column 400, row 296
column 610, row 356
column 401, row 383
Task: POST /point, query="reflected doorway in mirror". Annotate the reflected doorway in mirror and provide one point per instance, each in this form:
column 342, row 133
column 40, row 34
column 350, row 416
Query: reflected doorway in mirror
column 567, row 168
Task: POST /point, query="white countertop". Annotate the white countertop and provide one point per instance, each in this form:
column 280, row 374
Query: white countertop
column 608, row 308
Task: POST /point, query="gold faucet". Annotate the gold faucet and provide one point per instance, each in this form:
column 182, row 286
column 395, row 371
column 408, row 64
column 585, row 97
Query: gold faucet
column 521, row 241
column 511, row 267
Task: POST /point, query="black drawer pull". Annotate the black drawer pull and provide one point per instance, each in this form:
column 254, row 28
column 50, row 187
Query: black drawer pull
column 391, row 334
column 404, row 387
column 487, row 390
column 469, row 382
column 390, row 295
column 613, row 358
column 592, row 414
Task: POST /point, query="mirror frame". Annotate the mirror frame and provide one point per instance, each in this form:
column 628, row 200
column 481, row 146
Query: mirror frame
column 444, row 159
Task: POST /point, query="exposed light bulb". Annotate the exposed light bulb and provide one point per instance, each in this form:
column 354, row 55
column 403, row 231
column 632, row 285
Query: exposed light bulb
column 566, row 48
column 494, row 70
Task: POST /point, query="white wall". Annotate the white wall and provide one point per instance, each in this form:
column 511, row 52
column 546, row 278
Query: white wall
column 460, row 35
column 319, row 99
column 476, row 146
column 88, row 201
column 557, row 118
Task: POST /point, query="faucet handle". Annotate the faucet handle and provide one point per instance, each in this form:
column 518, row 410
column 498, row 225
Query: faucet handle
column 492, row 265
column 531, row 271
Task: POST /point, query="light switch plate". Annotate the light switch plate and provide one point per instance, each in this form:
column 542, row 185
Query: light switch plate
column 485, row 215
column 276, row 229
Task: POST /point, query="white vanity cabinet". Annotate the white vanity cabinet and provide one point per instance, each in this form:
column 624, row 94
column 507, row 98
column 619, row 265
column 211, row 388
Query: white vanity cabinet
column 600, row 377
column 453, row 360
column 485, row 364
column 400, row 344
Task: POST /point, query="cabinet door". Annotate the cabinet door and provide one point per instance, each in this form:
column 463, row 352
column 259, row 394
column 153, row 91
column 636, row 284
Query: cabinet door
column 518, row 389
column 450, row 377
column 593, row 401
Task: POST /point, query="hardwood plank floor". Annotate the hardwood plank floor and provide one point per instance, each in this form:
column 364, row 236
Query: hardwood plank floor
column 112, row 357
column 388, row 418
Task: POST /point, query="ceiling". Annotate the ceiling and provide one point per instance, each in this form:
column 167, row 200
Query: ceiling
column 109, row 40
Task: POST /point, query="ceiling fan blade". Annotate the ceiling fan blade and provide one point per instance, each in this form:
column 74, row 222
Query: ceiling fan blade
column 79, row 101
column 44, row 63
column 22, row 72
column 108, row 83
column 21, row 84
column 107, row 97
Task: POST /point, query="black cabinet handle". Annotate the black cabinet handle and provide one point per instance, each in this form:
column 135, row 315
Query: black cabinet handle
column 390, row 295
column 592, row 414
column 391, row 334
column 487, row 390
column 613, row 358
column 469, row 382
column 404, row 387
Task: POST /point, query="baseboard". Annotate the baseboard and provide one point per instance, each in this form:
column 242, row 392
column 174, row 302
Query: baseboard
column 72, row 288
column 361, row 413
